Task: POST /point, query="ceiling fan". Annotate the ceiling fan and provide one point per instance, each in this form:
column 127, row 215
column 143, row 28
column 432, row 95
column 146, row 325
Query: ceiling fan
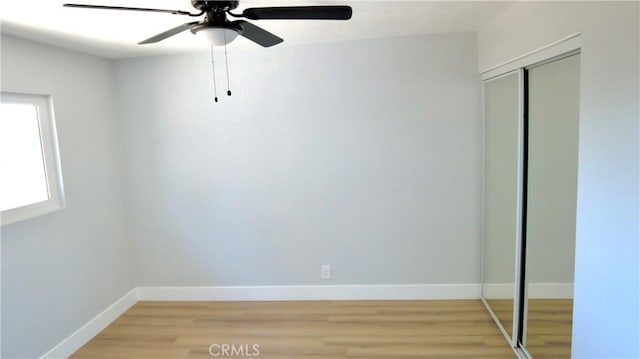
column 217, row 28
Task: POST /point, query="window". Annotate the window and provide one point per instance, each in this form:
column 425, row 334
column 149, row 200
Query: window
column 30, row 175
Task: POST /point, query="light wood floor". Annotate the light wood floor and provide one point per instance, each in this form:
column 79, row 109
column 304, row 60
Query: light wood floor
column 549, row 325
column 342, row 329
column 549, row 328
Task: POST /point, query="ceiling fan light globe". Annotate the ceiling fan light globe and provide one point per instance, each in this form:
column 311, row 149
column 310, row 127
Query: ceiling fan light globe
column 217, row 36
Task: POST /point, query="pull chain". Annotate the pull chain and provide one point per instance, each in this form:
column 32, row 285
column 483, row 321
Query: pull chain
column 213, row 69
column 226, row 61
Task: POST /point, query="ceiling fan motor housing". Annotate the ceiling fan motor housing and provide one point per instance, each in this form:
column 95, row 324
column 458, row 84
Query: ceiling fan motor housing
column 219, row 5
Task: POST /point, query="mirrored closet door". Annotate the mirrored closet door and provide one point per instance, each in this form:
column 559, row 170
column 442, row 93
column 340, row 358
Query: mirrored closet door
column 501, row 206
column 529, row 204
column 552, row 170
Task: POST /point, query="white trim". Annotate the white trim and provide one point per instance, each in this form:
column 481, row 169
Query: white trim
column 483, row 164
column 550, row 291
column 81, row 336
column 518, row 275
column 312, row 292
column 498, row 291
column 570, row 43
column 534, row 290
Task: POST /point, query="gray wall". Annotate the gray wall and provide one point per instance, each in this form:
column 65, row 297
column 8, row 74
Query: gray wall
column 363, row 155
column 61, row 269
column 607, row 272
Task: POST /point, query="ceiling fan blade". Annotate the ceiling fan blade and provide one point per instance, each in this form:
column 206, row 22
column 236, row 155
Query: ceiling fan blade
column 163, row 35
column 299, row 13
column 103, row 7
column 257, row 34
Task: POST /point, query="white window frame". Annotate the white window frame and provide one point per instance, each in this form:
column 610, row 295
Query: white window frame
column 51, row 156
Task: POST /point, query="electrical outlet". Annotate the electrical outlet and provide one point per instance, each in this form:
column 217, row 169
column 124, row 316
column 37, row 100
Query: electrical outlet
column 325, row 271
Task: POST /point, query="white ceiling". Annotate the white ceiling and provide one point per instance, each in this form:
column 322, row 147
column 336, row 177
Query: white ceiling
column 114, row 34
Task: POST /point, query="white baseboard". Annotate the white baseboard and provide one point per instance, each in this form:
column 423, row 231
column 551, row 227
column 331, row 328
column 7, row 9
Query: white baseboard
column 81, row 336
column 259, row 293
column 550, row 291
column 312, row 292
column 498, row 291
column 534, row 291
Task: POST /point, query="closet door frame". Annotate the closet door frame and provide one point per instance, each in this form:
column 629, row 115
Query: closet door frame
column 539, row 56
column 557, row 50
column 511, row 338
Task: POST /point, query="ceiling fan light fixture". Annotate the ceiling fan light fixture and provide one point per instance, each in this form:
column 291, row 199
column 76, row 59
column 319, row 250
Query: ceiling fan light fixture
column 219, row 31
column 216, row 36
